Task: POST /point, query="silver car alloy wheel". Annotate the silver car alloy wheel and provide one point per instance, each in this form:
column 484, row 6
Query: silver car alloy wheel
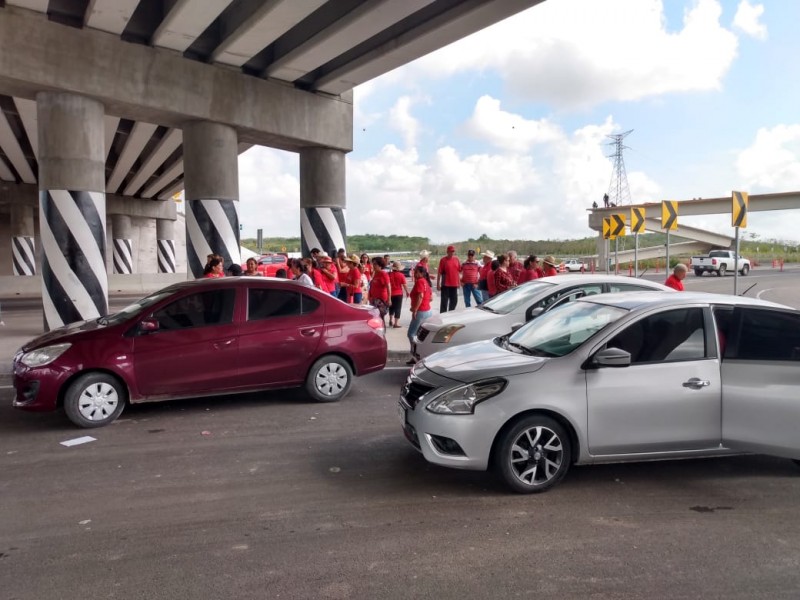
column 331, row 379
column 536, row 455
column 98, row 401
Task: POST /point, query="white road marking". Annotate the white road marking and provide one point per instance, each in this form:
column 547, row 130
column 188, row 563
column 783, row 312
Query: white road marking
column 758, row 295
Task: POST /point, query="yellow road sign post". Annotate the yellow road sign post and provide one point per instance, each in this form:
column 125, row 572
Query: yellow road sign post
column 637, row 227
column 738, row 221
column 669, row 221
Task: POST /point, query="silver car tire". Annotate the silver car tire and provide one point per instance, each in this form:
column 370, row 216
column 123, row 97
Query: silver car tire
column 745, row 270
column 94, row 400
column 533, row 455
column 721, row 271
column 329, row 379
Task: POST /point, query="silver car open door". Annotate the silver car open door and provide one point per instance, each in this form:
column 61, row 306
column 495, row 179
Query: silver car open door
column 761, row 382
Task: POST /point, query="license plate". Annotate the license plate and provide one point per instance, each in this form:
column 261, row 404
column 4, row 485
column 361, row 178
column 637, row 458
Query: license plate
column 401, row 411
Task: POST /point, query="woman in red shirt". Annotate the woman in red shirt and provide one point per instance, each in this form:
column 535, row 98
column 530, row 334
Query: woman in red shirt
column 531, row 271
column 398, row 282
column 213, row 269
column 352, row 281
column 380, row 288
column 420, row 297
column 549, row 266
column 502, row 278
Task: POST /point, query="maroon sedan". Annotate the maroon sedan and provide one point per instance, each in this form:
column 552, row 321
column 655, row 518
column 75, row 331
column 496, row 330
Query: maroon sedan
column 198, row 338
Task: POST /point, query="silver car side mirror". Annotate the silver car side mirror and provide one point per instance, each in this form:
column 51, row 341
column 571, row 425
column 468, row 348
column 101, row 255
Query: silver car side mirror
column 612, row 357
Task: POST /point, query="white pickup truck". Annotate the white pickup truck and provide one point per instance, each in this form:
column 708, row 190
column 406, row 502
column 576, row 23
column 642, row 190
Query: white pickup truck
column 720, row 262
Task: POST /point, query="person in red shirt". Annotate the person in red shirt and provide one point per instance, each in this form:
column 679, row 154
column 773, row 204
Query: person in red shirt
column 549, row 266
column 328, row 277
column 470, row 273
column 515, row 267
column 380, row 288
column 531, row 269
column 675, row 281
column 341, row 267
column 483, row 279
column 398, row 282
column 213, row 269
column 447, row 280
column 352, row 281
column 502, row 278
column 420, row 297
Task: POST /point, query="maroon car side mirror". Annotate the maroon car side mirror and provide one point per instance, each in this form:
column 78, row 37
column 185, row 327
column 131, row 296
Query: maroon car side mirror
column 148, row 325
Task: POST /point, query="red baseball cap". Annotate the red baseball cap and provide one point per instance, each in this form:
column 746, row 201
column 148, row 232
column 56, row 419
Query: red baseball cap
column 451, row 248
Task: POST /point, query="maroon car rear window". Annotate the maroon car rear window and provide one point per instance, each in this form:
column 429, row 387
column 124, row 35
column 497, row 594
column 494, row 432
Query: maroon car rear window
column 265, row 303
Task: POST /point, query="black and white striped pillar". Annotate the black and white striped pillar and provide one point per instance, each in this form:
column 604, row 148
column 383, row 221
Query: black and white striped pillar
column 166, row 256
column 212, row 227
column 322, row 228
column 211, row 168
column 23, row 255
column 73, row 235
column 322, row 200
column 72, row 208
column 123, row 256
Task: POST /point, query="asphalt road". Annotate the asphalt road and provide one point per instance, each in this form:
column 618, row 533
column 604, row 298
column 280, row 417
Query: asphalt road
column 272, row 496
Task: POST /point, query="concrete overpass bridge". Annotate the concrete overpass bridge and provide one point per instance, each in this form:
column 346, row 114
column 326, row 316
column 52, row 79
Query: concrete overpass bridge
column 701, row 240
column 108, row 107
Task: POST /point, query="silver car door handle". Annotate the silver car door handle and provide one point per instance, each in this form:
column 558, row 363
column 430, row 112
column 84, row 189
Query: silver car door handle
column 696, row 383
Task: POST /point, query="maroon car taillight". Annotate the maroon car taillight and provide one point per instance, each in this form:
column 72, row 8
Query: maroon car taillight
column 713, row 261
column 376, row 324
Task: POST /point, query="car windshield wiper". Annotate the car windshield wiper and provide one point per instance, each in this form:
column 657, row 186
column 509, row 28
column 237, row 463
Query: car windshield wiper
column 482, row 307
column 522, row 349
column 102, row 321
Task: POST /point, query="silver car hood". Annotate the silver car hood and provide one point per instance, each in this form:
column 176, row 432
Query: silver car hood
column 479, row 360
column 460, row 317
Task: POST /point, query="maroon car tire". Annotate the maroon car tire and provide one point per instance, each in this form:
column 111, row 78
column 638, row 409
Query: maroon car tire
column 329, row 379
column 94, row 400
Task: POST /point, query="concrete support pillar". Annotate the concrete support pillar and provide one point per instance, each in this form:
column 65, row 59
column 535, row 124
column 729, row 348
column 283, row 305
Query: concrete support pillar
column 602, row 256
column 123, row 244
column 72, row 205
column 165, row 239
column 23, row 255
column 211, row 159
column 322, row 200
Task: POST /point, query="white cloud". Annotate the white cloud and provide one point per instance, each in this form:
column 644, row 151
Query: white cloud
column 772, row 162
column 577, row 53
column 269, row 192
column 401, row 120
column 747, row 20
column 508, row 131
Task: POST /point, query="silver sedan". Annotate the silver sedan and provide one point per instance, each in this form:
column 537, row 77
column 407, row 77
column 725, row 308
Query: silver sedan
column 612, row 378
column 515, row 307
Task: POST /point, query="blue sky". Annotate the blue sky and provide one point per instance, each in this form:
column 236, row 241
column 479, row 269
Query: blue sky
column 504, row 132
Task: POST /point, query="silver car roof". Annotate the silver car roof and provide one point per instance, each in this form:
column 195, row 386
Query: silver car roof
column 636, row 300
column 566, row 278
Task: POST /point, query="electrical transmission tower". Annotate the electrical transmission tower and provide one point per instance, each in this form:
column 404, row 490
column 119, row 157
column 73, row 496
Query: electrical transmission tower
column 618, row 191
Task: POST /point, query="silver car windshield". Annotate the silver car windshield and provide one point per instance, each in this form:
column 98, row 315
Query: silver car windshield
column 512, row 299
column 560, row 331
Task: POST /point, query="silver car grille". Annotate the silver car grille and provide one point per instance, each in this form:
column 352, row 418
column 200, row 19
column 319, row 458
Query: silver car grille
column 413, row 391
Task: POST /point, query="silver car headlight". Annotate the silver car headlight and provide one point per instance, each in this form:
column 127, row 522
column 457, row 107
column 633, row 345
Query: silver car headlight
column 445, row 334
column 43, row 356
column 462, row 400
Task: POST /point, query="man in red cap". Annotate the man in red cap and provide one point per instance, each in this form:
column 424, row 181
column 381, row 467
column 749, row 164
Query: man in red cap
column 448, row 280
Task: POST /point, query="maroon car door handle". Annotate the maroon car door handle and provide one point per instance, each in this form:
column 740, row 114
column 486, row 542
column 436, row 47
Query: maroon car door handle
column 222, row 345
column 309, row 332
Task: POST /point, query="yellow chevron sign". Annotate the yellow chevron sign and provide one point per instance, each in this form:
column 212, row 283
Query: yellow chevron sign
column 617, row 225
column 669, row 214
column 637, row 220
column 607, row 234
column 739, row 210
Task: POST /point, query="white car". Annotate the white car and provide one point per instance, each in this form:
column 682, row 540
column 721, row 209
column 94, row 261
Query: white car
column 573, row 265
column 512, row 309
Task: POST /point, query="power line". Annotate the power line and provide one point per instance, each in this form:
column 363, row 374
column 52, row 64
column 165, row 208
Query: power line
column 618, row 191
